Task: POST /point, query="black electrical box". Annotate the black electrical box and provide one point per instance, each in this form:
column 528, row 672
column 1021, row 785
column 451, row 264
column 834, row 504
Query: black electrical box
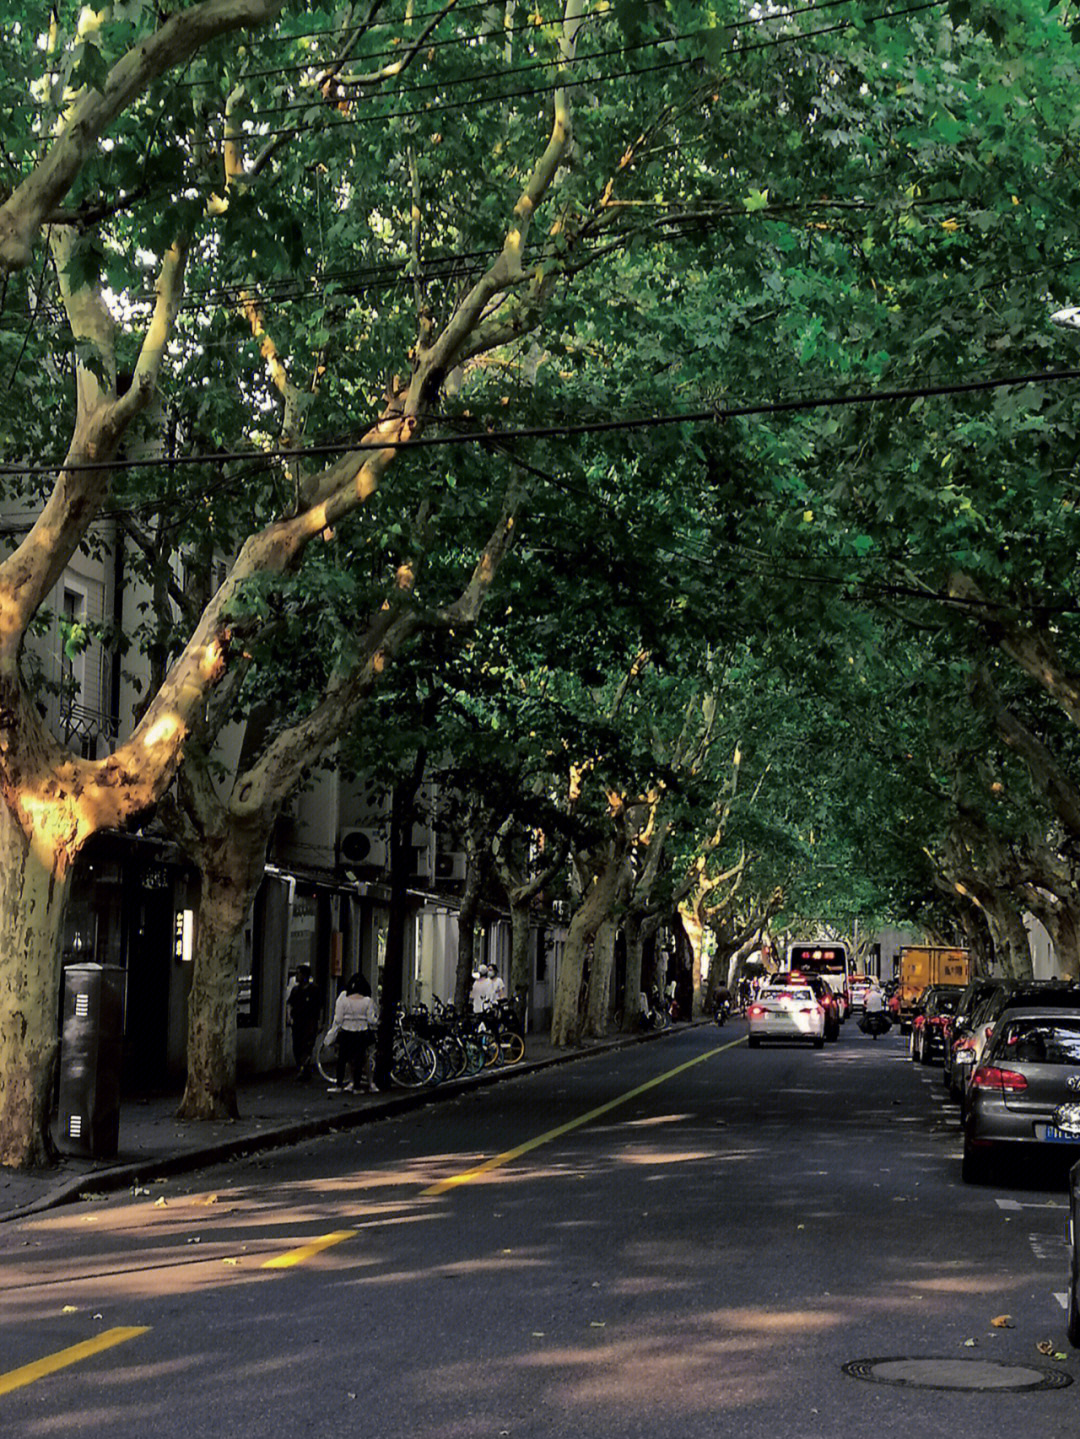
column 91, row 1045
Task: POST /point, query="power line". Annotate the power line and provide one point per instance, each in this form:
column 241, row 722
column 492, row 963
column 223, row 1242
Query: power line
column 571, row 84
column 714, row 414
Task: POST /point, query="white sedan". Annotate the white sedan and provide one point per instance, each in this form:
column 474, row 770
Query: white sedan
column 790, row 1012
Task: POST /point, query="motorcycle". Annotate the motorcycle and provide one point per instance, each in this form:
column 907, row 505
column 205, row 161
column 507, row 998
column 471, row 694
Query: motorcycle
column 875, row 1023
column 723, row 1009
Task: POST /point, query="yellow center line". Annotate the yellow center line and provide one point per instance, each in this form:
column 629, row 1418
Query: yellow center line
column 41, row 1368
column 530, row 1144
column 297, row 1256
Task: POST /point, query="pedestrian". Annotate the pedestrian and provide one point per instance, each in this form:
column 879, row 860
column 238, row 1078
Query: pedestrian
column 304, row 1008
column 482, row 992
column 355, row 1022
column 498, row 988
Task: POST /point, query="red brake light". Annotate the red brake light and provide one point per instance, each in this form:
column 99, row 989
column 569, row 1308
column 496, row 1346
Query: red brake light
column 988, row 1076
column 756, row 1011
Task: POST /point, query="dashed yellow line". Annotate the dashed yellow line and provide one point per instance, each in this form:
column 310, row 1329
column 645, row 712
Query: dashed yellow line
column 297, row 1256
column 41, row 1368
column 530, row 1144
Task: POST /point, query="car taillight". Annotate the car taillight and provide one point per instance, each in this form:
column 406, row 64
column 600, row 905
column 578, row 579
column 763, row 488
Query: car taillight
column 812, row 1009
column 988, row 1076
column 756, row 1011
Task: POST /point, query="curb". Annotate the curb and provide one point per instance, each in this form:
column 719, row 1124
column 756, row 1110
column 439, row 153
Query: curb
column 132, row 1173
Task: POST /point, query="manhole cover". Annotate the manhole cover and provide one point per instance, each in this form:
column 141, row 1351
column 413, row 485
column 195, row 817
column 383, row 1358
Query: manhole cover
column 970, row 1374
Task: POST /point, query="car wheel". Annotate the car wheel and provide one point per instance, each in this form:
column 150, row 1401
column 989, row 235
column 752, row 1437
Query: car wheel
column 1073, row 1324
column 926, row 1054
column 752, row 1042
column 1072, row 1327
column 819, row 1042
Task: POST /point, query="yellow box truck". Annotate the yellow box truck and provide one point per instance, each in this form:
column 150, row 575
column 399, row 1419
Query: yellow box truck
column 920, row 965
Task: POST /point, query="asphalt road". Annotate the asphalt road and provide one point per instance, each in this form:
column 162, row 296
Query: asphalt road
column 680, row 1239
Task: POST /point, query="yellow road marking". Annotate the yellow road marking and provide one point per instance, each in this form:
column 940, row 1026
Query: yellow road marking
column 530, row 1144
column 41, row 1368
column 297, row 1256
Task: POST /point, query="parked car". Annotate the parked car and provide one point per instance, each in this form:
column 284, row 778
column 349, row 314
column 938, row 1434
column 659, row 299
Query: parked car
column 931, row 1020
column 790, row 1012
column 959, row 1044
column 1013, row 994
column 1024, row 1095
column 1073, row 1236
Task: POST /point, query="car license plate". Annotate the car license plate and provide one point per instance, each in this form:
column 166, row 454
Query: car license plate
column 1052, row 1135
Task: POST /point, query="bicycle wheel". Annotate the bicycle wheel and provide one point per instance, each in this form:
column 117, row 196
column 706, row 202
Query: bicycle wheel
column 326, row 1056
column 490, row 1046
column 474, row 1054
column 512, row 1047
column 414, row 1062
column 453, row 1055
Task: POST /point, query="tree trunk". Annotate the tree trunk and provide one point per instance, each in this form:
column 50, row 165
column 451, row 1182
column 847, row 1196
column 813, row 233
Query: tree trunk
column 402, row 807
column 232, row 871
column 33, row 897
column 594, row 907
column 693, row 923
column 1011, row 945
column 477, row 866
column 634, row 931
column 1060, row 916
column 598, row 1008
column 520, row 969
column 466, row 927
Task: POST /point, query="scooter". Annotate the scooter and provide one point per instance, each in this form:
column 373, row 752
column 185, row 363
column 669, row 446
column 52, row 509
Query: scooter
column 723, row 1009
column 875, row 1023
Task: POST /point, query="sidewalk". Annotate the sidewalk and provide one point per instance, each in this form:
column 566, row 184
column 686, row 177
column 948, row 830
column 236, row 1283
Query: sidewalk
column 274, row 1111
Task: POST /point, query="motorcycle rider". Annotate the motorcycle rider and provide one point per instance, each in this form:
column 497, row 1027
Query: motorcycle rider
column 874, row 1012
column 722, row 1002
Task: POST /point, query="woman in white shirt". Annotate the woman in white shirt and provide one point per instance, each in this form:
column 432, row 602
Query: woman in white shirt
column 356, row 1019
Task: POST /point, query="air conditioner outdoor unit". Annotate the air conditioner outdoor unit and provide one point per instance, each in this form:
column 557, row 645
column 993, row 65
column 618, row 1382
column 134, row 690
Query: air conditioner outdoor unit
column 364, row 847
column 421, row 862
column 450, row 865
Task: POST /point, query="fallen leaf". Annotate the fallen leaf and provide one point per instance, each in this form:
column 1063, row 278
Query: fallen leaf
column 210, row 1199
column 539, row 1333
column 1044, row 1346
column 598, row 1324
column 69, row 1309
column 970, row 1343
column 230, row 1261
column 161, row 1203
column 1058, row 1355
column 1003, row 1321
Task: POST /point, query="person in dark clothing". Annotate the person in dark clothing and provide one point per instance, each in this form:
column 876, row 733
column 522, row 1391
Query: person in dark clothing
column 304, row 1008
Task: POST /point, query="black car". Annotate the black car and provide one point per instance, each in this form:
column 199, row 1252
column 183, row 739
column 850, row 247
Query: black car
column 931, row 1019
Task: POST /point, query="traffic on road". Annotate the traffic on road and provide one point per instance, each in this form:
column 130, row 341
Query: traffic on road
column 681, row 1238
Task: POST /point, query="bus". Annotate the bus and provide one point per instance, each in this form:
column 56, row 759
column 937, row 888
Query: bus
column 831, row 961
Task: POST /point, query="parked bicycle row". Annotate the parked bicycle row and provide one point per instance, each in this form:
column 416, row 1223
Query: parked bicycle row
column 432, row 1044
